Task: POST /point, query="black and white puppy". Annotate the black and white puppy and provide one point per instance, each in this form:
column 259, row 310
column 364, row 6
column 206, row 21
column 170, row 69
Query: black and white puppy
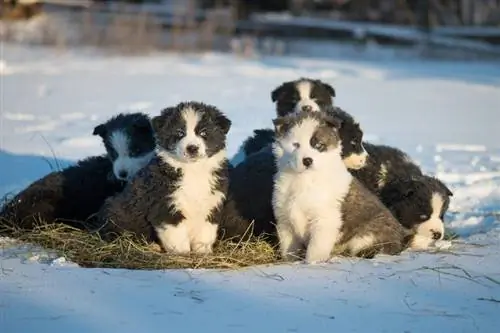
column 129, row 142
column 303, row 94
column 177, row 198
column 74, row 193
column 317, row 203
column 419, row 203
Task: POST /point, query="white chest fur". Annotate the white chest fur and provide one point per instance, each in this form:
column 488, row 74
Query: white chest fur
column 195, row 197
column 308, row 213
column 304, row 199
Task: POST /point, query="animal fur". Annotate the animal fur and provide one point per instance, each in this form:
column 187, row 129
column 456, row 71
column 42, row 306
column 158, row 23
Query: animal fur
column 73, row 194
column 420, row 204
column 318, row 217
column 303, row 94
column 178, row 197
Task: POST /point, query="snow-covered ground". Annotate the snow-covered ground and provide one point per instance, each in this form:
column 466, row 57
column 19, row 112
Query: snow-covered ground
column 446, row 115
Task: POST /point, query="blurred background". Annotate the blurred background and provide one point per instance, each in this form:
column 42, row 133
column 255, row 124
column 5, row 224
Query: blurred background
column 451, row 28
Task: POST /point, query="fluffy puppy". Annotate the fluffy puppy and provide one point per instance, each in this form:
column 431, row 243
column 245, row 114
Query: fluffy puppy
column 74, row 193
column 251, row 181
column 318, row 217
column 419, row 203
column 177, row 198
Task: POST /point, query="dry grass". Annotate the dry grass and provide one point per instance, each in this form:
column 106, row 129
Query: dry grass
column 89, row 250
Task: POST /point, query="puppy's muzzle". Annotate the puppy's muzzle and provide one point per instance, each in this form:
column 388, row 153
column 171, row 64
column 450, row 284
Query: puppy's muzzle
column 192, row 150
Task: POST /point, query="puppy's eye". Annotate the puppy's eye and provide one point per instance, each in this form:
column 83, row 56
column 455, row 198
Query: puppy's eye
column 180, row 133
column 296, row 145
column 319, row 146
column 424, row 217
column 203, row 133
column 353, row 142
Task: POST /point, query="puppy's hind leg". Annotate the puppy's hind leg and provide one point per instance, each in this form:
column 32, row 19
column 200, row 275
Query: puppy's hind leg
column 362, row 246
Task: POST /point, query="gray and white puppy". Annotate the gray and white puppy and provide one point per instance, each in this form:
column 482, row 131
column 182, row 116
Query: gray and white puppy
column 317, row 203
column 178, row 196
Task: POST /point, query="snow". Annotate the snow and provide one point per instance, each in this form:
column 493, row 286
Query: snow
column 445, row 115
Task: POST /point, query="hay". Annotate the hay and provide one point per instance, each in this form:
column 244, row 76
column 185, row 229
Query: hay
column 126, row 251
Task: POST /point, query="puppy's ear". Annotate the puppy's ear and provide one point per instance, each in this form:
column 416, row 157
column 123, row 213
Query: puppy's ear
column 100, row 130
column 281, row 125
column 143, row 125
column 396, row 192
column 163, row 119
column 328, row 88
column 223, row 122
column 333, row 122
column 449, row 192
column 276, row 93
column 446, row 189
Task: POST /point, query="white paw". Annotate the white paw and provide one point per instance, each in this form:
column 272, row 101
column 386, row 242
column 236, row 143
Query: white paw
column 443, row 244
column 317, row 258
column 178, row 249
column 201, row 248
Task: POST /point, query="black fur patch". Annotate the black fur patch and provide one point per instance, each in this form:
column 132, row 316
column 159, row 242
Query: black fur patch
column 251, row 188
column 410, row 198
column 69, row 196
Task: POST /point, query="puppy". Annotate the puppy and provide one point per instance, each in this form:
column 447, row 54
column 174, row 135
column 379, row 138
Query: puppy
column 419, row 203
column 177, row 198
column 316, row 216
column 73, row 194
column 129, row 141
column 303, row 94
column 251, row 182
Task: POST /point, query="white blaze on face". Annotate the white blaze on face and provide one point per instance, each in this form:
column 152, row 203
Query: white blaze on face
column 426, row 231
column 295, row 146
column 125, row 167
column 191, row 118
column 304, row 89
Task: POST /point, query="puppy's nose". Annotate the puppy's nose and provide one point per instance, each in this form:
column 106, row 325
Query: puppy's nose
column 307, row 161
column 436, row 235
column 307, row 108
column 122, row 174
column 192, row 150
